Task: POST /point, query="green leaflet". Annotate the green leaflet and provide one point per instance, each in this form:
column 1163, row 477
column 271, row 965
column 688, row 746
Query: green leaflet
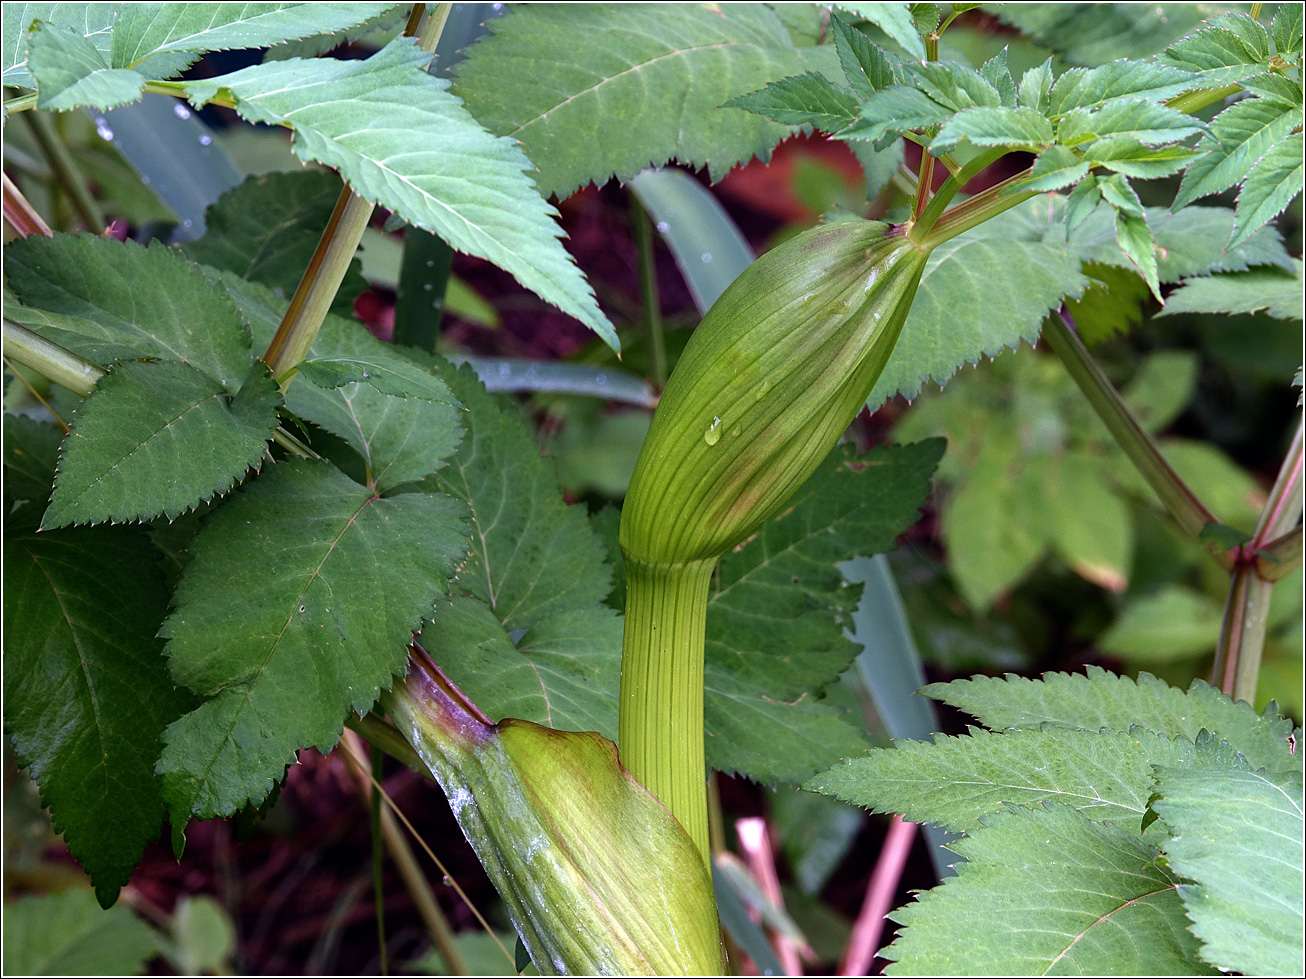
column 402, row 141
column 1237, row 832
column 88, row 690
column 68, row 934
column 297, row 607
column 583, row 113
column 1048, row 891
column 148, row 418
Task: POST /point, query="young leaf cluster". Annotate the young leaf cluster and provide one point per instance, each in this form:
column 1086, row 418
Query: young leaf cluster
column 1111, row 826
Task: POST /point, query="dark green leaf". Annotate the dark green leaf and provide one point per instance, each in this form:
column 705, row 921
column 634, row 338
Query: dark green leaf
column 1237, row 833
column 87, row 692
column 1135, row 239
column 532, row 556
column 68, row 934
column 779, row 607
column 106, row 299
column 31, row 449
column 953, row 85
column 895, row 20
column 1101, row 700
column 1082, row 202
column 584, row 112
column 895, row 110
column 159, row 438
column 267, row 229
column 1226, row 537
column 403, row 141
column 1272, row 85
column 1056, row 167
column 1147, row 122
column 1048, row 890
column 801, row 100
column 1111, row 304
column 297, row 607
column 1286, row 29
column 954, row 782
column 1218, row 55
column 1117, row 192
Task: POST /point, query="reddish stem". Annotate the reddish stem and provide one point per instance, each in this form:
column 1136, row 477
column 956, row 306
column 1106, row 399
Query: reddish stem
column 880, row 892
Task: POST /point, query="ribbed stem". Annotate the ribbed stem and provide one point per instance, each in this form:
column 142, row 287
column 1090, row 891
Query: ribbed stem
column 661, row 720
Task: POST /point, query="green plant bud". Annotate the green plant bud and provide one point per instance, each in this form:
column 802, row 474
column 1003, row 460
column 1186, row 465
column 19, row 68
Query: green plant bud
column 774, row 374
column 597, row 876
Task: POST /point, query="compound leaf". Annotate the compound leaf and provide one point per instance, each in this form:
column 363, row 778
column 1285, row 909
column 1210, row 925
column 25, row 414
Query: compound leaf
column 648, row 94
column 401, row 140
column 297, row 607
column 1048, row 890
column 87, row 689
column 152, row 418
column 1240, row 136
column 1237, row 833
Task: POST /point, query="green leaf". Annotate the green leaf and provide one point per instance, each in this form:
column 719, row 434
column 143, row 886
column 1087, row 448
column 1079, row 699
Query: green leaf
column 1227, row 537
column 1082, row 202
column 70, row 71
column 894, row 19
column 1091, row 527
column 1036, row 88
column 1286, row 29
column 1019, row 128
column 31, row 449
column 993, row 524
column 68, row 934
column 267, row 229
column 160, row 40
column 1147, row 122
column 584, row 113
column 564, row 672
column 87, row 693
column 1173, row 623
column 954, row 782
column 996, row 73
column 161, row 418
column 1048, row 890
column 1118, row 192
column 866, row 67
column 1135, row 239
column 296, row 608
column 1112, row 303
column 1102, row 700
column 896, row 110
column 779, row 607
column 402, row 141
column 1253, row 291
column 953, row 85
column 1270, row 186
column 1056, row 167
column 1220, row 56
column 105, row 299
column 1272, row 85
column 93, row 20
column 1126, row 155
column 1237, row 833
column 801, row 100
column 1162, row 387
column 1089, row 88
column 1240, row 136
column 982, row 292
column 532, row 555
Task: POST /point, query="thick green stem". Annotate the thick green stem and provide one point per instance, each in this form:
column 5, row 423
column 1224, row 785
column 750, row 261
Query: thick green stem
column 648, row 291
column 1191, row 102
column 1181, row 501
column 65, row 170
column 953, row 185
column 49, row 359
column 971, row 213
column 661, row 718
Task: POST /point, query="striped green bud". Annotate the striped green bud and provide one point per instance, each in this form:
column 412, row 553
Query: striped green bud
column 597, row 876
column 774, row 374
